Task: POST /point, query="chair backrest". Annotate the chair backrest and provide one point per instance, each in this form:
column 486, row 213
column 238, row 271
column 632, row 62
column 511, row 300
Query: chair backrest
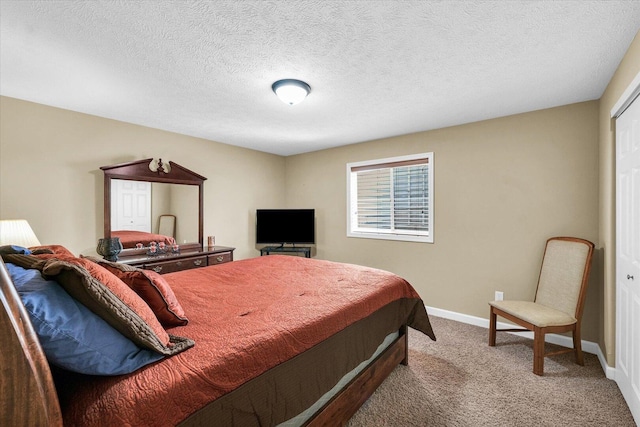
column 167, row 225
column 564, row 274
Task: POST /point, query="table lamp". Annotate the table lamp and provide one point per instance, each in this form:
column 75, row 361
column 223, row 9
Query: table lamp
column 17, row 232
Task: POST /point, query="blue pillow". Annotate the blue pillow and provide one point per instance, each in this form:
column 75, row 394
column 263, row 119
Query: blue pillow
column 71, row 335
column 14, row 249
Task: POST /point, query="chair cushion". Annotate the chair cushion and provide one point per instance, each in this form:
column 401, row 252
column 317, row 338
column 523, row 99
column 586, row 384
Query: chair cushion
column 534, row 313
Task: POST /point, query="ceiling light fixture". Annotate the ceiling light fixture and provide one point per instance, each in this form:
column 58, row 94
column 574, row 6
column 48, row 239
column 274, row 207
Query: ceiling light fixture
column 291, row 91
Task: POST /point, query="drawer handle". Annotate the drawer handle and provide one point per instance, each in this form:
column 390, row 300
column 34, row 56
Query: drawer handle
column 220, row 258
column 157, row 269
column 197, row 262
column 179, row 263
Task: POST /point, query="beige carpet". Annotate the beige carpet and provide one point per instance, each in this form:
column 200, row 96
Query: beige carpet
column 460, row 381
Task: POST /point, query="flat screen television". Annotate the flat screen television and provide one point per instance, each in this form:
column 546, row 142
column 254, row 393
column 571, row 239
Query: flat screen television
column 280, row 226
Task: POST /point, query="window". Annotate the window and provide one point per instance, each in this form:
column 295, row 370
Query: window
column 391, row 198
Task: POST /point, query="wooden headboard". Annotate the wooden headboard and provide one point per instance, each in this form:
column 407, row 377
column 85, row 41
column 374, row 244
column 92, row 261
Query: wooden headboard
column 27, row 392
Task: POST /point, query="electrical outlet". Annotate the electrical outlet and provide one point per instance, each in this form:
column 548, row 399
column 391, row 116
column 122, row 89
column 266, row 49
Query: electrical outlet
column 499, row 296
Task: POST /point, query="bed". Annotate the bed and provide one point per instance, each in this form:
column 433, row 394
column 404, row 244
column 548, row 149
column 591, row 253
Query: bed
column 278, row 341
column 130, row 238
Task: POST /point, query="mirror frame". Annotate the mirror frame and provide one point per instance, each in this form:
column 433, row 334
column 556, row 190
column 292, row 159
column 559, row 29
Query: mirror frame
column 140, row 170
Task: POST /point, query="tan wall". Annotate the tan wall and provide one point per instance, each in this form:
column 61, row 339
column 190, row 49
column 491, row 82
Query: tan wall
column 502, row 187
column 49, row 174
column 627, row 70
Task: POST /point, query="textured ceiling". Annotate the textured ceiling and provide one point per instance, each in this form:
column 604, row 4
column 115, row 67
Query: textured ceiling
column 376, row 68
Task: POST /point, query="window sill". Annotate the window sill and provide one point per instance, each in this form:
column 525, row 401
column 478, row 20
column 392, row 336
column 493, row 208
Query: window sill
column 399, row 237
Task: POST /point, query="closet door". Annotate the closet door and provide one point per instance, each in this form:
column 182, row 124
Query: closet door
column 130, row 205
column 628, row 256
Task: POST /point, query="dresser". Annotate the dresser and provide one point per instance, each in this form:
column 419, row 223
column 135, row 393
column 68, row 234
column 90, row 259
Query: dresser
column 185, row 260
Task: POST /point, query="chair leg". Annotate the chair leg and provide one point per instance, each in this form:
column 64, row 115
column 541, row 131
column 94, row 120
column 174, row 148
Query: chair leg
column 577, row 345
column 492, row 328
column 538, row 351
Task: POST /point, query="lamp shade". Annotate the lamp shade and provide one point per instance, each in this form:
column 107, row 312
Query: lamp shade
column 17, row 232
column 291, row 91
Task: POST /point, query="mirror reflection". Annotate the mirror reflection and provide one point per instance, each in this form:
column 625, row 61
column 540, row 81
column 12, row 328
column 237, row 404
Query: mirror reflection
column 141, row 210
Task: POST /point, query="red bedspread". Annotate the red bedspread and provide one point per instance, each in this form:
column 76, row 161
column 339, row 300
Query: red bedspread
column 245, row 317
column 129, row 238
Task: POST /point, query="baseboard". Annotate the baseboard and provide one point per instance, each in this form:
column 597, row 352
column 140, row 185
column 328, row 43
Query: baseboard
column 587, row 346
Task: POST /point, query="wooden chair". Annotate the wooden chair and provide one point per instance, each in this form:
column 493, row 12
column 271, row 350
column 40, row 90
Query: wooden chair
column 559, row 299
column 167, row 225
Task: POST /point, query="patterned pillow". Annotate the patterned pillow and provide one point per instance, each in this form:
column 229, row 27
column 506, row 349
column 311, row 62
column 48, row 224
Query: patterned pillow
column 110, row 298
column 24, row 261
column 72, row 337
column 14, row 249
column 152, row 288
column 51, row 249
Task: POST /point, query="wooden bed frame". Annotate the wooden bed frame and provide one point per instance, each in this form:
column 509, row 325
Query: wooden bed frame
column 29, row 396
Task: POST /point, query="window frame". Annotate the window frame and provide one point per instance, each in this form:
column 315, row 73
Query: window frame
column 352, row 199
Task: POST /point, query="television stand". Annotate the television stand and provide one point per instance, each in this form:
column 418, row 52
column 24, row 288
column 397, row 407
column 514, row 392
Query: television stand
column 267, row 250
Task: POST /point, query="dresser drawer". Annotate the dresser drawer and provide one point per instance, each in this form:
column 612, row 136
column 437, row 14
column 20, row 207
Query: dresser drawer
column 177, row 265
column 220, row 258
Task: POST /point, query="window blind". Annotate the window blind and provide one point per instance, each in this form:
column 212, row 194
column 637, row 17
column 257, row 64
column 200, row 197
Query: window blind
column 391, row 197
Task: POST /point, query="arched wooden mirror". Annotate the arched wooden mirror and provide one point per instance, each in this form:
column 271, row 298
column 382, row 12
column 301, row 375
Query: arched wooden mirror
column 140, row 195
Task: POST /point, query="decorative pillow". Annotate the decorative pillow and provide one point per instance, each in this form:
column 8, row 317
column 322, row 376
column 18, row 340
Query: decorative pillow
column 110, row 298
column 71, row 336
column 51, row 249
column 24, row 261
column 152, row 288
column 14, row 249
